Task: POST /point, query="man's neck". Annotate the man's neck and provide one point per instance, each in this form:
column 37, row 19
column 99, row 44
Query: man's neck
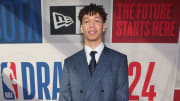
column 92, row 44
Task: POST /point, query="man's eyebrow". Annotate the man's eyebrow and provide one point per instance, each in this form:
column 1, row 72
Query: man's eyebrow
column 98, row 17
column 85, row 17
column 95, row 17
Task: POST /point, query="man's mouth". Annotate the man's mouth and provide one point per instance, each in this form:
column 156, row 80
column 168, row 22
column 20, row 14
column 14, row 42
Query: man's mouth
column 92, row 32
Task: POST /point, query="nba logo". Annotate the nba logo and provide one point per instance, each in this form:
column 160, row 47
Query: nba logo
column 9, row 80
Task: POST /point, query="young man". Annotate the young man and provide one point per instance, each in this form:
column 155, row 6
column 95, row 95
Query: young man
column 96, row 73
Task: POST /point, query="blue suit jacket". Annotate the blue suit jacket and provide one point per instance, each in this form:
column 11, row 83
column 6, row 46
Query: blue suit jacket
column 108, row 83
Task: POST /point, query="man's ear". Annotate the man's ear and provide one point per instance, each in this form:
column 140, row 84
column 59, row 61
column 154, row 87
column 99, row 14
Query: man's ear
column 81, row 28
column 104, row 27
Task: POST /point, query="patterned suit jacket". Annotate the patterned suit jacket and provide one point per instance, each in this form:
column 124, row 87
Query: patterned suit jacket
column 108, row 83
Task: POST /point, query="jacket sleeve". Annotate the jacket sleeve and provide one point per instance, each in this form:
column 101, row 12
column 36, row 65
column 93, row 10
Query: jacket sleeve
column 65, row 87
column 122, row 83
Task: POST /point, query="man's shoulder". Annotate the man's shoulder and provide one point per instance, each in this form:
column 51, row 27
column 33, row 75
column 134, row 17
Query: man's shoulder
column 115, row 52
column 74, row 56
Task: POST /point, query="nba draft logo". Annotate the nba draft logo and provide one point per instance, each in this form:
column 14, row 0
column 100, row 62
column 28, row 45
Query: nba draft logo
column 9, row 80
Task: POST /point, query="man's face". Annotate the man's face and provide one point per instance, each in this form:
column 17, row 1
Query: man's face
column 92, row 27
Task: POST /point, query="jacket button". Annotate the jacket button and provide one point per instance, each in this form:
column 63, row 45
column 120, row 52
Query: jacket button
column 81, row 91
column 102, row 90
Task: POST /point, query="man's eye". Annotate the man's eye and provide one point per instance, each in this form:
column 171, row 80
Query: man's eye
column 85, row 21
column 97, row 21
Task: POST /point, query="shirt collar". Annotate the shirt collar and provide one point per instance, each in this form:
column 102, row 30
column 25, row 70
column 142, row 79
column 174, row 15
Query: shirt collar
column 98, row 49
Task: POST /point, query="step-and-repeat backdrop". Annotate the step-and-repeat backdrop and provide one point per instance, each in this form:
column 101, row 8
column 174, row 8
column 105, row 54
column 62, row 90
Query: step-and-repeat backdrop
column 37, row 35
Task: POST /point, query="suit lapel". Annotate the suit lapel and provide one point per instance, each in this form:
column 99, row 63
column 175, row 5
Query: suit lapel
column 101, row 67
column 82, row 67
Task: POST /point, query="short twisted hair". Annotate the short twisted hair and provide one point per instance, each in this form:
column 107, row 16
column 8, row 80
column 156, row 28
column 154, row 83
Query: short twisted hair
column 92, row 9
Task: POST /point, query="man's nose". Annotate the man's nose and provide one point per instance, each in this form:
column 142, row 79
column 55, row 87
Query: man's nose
column 91, row 24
